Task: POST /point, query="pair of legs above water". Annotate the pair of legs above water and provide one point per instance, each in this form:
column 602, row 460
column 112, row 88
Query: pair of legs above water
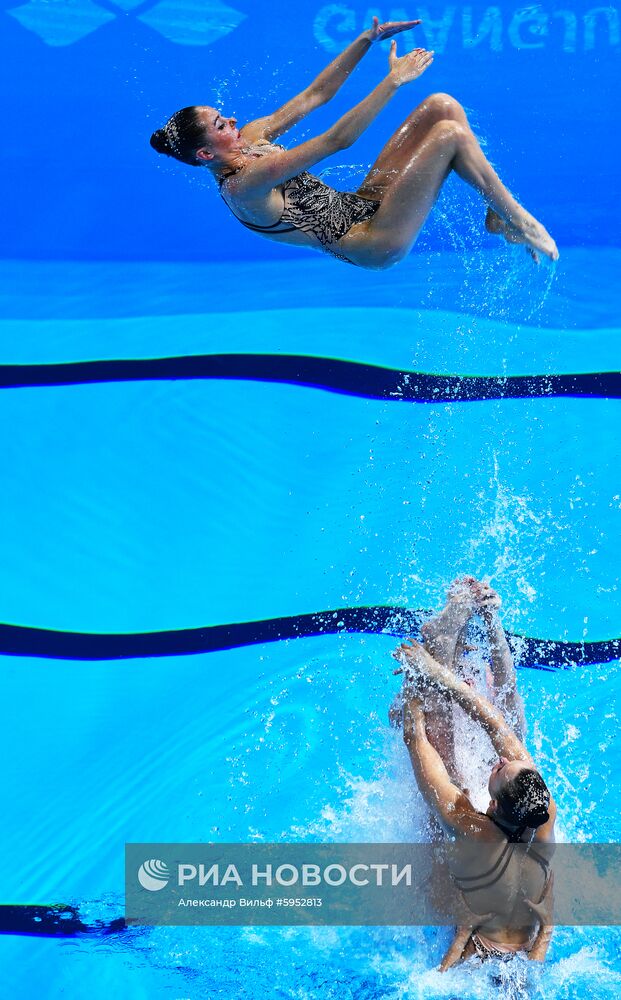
column 505, row 899
column 434, row 140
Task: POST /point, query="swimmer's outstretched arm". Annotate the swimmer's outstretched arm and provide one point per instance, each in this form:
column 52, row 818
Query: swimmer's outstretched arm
column 325, row 86
column 427, row 670
column 266, row 172
column 428, row 673
column 442, row 796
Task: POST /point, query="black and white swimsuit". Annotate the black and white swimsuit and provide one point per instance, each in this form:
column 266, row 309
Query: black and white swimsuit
column 484, row 947
column 311, row 206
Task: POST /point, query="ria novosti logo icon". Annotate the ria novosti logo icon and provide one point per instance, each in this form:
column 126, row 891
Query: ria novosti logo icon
column 185, row 22
column 153, row 875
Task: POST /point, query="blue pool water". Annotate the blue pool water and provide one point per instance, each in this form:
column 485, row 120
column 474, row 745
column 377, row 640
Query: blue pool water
column 172, row 504
column 235, row 472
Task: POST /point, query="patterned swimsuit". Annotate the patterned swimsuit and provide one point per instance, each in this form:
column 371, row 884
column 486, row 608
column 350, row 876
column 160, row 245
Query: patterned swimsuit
column 484, row 946
column 311, row 206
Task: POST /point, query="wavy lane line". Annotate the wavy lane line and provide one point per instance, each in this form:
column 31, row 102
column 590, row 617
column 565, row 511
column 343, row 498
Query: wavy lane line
column 330, row 374
column 531, row 652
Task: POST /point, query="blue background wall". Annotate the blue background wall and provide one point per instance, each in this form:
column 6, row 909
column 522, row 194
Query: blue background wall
column 90, row 79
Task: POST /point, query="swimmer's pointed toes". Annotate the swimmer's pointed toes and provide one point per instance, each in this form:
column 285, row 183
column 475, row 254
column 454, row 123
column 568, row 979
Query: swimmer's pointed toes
column 551, row 249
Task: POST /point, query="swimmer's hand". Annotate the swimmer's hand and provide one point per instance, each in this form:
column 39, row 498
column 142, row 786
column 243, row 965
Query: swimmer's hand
column 380, row 32
column 456, row 950
column 404, row 69
column 414, row 662
column 468, row 921
column 543, row 912
column 544, row 909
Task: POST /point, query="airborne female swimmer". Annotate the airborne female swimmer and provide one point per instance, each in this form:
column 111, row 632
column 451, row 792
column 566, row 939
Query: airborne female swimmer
column 270, row 191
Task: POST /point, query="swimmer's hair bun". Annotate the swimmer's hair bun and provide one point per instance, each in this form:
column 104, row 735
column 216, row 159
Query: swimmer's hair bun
column 525, row 800
column 537, row 818
column 181, row 136
column 161, row 142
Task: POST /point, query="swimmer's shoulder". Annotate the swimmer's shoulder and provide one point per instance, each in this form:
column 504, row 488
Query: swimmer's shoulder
column 241, row 183
column 476, row 824
column 468, row 823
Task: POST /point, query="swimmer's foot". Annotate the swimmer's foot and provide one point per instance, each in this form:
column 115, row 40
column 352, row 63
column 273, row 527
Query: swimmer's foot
column 488, row 600
column 528, row 232
column 441, row 632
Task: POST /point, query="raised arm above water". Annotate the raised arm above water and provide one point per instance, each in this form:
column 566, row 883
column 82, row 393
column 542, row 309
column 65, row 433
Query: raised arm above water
column 325, row 85
column 427, row 672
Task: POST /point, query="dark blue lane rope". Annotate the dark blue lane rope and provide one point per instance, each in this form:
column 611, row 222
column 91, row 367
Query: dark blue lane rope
column 54, row 920
column 19, row 640
column 330, row 374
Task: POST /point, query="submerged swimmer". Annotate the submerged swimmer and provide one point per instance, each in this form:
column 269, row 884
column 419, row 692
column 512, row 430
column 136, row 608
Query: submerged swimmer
column 269, row 190
column 506, row 893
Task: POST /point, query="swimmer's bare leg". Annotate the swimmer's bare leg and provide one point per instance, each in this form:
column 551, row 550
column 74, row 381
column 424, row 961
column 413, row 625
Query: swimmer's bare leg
column 494, row 224
column 440, row 734
column 411, row 132
column 407, row 182
column 442, row 633
column 504, row 694
column 440, row 729
column 441, row 637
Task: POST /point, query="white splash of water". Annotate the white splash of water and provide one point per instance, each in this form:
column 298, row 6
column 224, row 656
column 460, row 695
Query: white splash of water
column 514, row 534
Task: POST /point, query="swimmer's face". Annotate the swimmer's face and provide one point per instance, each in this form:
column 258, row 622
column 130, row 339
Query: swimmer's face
column 503, row 772
column 221, row 134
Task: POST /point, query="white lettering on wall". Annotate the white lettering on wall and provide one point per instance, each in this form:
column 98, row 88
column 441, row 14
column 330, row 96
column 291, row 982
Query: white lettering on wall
column 570, row 36
column 436, row 30
column 525, row 28
column 590, row 22
column 489, row 28
column 531, row 21
column 335, row 26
